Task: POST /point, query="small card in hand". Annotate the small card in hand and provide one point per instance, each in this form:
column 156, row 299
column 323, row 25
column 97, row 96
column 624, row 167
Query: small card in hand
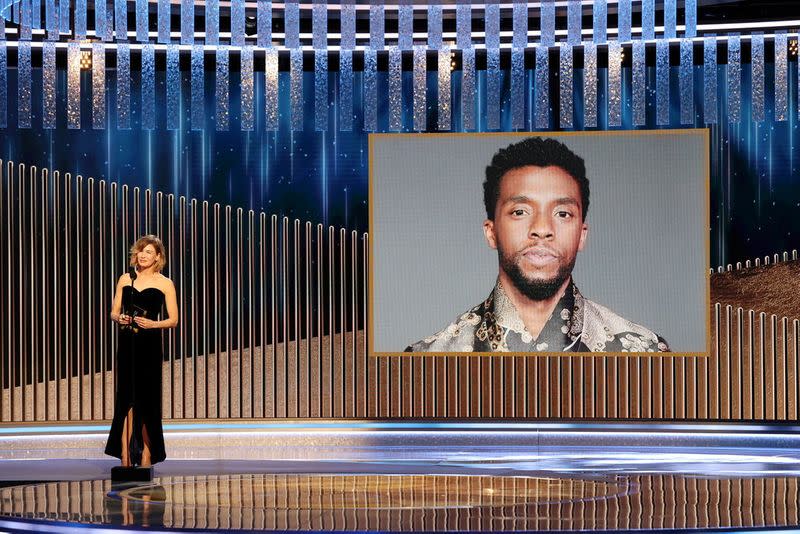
column 134, row 311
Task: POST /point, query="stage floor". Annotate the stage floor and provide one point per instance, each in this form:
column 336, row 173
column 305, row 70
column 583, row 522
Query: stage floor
column 509, row 478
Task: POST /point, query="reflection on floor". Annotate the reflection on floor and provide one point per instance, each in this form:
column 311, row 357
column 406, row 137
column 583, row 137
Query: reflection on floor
column 550, row 490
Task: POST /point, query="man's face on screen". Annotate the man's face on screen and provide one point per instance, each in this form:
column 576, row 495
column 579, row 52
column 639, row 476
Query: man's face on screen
column 538, row 229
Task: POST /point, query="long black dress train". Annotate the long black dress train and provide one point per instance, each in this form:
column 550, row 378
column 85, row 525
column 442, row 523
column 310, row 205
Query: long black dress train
column 139, row 361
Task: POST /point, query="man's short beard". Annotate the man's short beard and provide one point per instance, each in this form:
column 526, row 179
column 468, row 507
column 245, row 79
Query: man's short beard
column 536, row 289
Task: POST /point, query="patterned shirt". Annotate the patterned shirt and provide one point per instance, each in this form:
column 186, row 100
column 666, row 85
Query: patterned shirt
column 576, row 325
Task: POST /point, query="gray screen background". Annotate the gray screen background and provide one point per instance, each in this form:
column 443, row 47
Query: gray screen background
column 645, row 255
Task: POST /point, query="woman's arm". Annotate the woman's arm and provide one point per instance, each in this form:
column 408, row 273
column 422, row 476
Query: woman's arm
column 116, row 304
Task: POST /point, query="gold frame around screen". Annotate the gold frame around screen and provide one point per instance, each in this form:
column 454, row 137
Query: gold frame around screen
column 685, row 131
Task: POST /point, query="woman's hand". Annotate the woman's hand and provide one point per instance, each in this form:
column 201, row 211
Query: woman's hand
column 124, row 319
column 144, row 322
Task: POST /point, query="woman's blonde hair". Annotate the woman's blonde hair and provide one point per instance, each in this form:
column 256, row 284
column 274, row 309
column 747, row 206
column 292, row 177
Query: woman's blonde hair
column 141, row 243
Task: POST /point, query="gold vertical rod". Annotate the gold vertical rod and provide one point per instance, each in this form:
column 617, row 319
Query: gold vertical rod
column 228, row 321
column 727, row 391
column 217, row 311
column 308, row 317
column 173, row 273
column 342, row 321
column 3, row 332
column 762, row 351
column 79, row 314
column 296, row 314
column 239, row 347
column 148, row 199
column 782, row 373
column 262, row 260
column 332, row 392
column 54, row 306
column 320, row 324
column 750, row 411
column 365, row 317
column 136, row 214
column 90, row 283
column 250, row 316
column 353, row 320
column 285, row 312
column 21, row 352
column 47, row 331
column 772, row 391
column 10, row 340
column 113, row 262
column 125, row 243
column 182, row 343
column 740, row 361
column 102, row 298
column 193, row 339
column 33, row 353
column 274, row 308
column 204, row 307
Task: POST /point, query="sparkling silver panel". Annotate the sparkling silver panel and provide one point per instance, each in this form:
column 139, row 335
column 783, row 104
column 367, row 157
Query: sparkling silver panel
column 662, row 82
column 589, row 85
column 405, row 26
column 222, row 97
column 670, row 18
column 141, row 20
column 120, row 19
column 781, row 77
column 346, row 90
column 434, row 26
column 548, row 20
column 271, row 89
column 264, row 22
column 296, row 89
column 542, row 89
column 686, row 82
column 24, row 84
column 3, row 84
column 614, row 83
column 198, row 116
column 348, row 16
column 73, row 85
column 173, row 87
column 395, row 90
column 574, row 17
column 164, row 23
column 464, row 22
column 237, row 22
column 648, row 19
column 212, row 22
column 494, row 79
column 734, row 78
column 420, row 86
column 49, row 85
column 376, row 25
column 370, row 90
column 123, row 86
column 710, row 80
column 690, row 7
column 565, row 85
column 148, row 87
column 492, row 25
column 518, row 85
column 98, row 86
column 321, row 90
column 599, row 21
column 624, row 20
column 319, row 25
column 292, row 22
column 757, row 77
column 187, row 22
column 445, row 97
column 468, row 92
column 80, row 17
column 248, row 119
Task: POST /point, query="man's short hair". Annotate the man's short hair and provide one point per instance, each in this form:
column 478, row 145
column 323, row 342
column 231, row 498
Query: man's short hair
column 538, row 152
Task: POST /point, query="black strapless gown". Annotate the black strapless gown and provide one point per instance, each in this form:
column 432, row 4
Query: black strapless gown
column 139, row 363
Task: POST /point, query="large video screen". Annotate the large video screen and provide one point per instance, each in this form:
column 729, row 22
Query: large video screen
column 547, row 243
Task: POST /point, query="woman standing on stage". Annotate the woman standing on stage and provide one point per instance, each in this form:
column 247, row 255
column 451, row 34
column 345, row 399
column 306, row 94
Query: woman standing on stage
column 136, row 436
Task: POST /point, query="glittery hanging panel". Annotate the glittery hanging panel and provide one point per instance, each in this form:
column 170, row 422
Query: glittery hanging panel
column 710, row 79
column 464, row 22
column 518, row 86
column 395, row 90
column 493, row 86
column 271, row 89
column 376, row 24
column 237, row 22
column 346, row 90
column 405, row 26
column 734, row 78
column 648, row 20
column 163, row 21
column 296, row 89
column 123, row 86
column 781, row 77
column 520, row 24
column 686, row 82
column 212, row 22
column 291, row 16
column 565, row 85
column 187, row 22
column 548, row 19
column 670, row 18
column 148, row 87
column 321, row 90
column 691, row 18
column 468, row 89
column 662, row 82
column 757, row 76
column 624, row 20
column 614, row 83
column 599, row 21
column 370, row 90
column 80, row 17
column 74, row 86
column 574, row 9
column 639, row 84
column 221, row 94
column 3, row 84
column 264, row 23
column 141, row 20
column 173, row 87
column 589, row 85
column 434, row 26
column 98, row 86
column 120, row 19
column 420, row 79
column 445, row 96
column 542, row 88
column 248, row 118
column 198, row 117
column 49, row 85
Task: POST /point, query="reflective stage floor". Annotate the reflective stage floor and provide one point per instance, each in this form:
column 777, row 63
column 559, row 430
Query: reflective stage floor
column 446, row 480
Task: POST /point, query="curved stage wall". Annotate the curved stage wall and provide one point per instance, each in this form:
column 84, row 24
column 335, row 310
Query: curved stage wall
column 272, row 326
